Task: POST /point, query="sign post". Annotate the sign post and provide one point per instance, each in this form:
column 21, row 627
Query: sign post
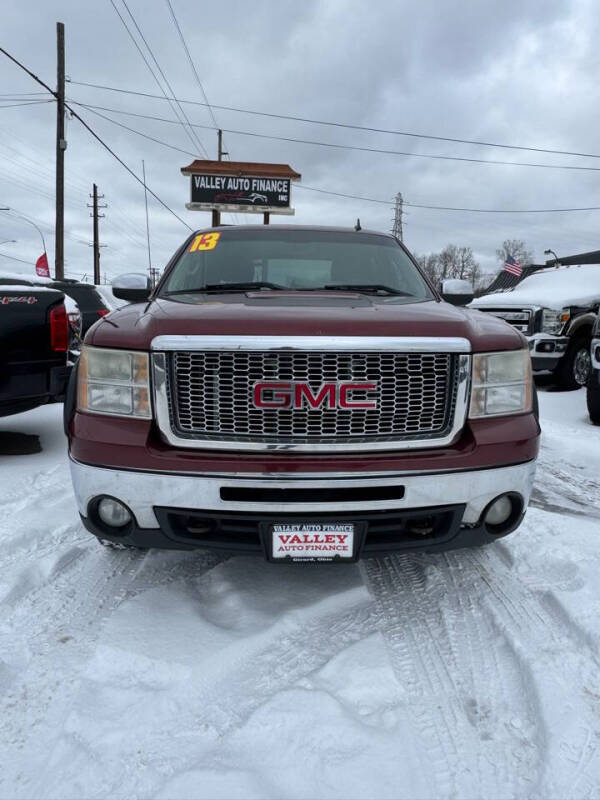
column 251, row 188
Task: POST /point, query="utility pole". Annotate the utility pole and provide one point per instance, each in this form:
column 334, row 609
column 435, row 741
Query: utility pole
column 95, row 215
column 397, row 228
column 216, row 215
column 147, row 224
column 61, row 146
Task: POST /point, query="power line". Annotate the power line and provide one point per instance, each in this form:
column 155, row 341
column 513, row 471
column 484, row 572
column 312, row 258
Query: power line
column 139, row 133
column 359, row 197
column 95, row 135
column 450, row 208
column 338, row 146
column 349, row 126
column 24, row 103
column 190, row 132
column 198, row 81
column 17, row 95
column 190, row 59
column 147, row 63
column 14, row 258
column 77, row 183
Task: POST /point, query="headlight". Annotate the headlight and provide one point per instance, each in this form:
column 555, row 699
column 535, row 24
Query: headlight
column 501, row 384
column 553, row 321
column 113, row 382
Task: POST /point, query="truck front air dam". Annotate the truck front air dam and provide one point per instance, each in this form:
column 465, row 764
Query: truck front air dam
column 431, row 511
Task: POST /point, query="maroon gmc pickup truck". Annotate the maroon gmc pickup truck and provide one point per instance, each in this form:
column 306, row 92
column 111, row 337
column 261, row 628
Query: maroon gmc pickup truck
column 301, row 393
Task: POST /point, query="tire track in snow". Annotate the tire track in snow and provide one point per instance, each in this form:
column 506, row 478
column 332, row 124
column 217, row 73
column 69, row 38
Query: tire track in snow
column 42, row 485
column 563, row 489
column 61, row 620
column 558, row 652
column 236, row 682
column 466, row 691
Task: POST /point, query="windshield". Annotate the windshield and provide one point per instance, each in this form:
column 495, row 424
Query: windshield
column 296, row 259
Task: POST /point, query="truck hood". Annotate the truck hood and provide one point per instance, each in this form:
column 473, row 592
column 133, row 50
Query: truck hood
column 298, row 314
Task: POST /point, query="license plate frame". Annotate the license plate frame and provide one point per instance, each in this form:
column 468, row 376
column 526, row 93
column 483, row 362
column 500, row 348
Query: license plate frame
column 323, row 550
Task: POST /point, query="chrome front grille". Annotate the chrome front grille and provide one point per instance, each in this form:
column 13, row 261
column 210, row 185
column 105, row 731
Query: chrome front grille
column 519, row 318
column 210, row 395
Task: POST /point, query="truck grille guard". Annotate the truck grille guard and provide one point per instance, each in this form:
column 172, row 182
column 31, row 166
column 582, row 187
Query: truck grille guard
column 203, row 392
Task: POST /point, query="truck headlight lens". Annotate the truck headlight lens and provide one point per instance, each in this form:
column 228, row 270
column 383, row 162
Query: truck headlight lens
column 113, row 382
column 553, row 321
column 502, row 384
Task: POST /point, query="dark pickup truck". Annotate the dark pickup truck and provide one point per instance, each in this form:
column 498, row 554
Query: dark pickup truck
column 34, row 343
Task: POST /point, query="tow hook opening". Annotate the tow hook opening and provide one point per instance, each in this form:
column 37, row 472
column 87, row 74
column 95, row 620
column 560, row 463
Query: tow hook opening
column 501, row 514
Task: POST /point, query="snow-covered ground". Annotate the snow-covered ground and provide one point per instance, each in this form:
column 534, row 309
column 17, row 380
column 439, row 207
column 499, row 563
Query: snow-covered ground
column 474, row 674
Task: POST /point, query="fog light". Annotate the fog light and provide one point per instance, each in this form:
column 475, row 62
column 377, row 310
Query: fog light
column 113, row 513
column 499, row 511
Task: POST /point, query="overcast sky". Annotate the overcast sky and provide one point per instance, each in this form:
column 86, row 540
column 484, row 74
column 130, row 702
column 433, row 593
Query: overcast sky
column 519, row 72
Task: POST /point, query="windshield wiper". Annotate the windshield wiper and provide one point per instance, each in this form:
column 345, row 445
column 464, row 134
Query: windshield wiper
column 368, row 288
column 228, row 287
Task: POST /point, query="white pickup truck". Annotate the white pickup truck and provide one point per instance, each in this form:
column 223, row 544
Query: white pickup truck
column 555, row 308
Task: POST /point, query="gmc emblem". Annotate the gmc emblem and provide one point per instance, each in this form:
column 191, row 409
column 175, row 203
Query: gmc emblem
column 298, row 394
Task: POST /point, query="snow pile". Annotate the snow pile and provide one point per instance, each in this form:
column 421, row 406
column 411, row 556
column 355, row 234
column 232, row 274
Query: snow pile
column 555, row 288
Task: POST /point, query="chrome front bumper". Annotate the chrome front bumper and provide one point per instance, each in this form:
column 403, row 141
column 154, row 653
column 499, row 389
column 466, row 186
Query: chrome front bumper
column 143, row 491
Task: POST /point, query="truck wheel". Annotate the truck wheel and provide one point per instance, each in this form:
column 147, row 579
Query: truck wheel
column 593, row 401
column 575, row 367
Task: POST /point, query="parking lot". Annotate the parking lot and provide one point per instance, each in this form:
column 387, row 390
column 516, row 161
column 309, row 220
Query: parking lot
column 168, row 674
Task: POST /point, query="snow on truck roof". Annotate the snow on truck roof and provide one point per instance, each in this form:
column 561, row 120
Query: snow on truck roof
column 554, row 287
column 22, row 287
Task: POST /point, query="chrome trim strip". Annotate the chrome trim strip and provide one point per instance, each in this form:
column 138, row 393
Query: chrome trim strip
column 143, row 491
column 400, row 344
column 310, row 477
column 163, row 419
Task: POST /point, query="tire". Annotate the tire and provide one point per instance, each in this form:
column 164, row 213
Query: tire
column 20, row 406
column 575, row 367
column 593, row 399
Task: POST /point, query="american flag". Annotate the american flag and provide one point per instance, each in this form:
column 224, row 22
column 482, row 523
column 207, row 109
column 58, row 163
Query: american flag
column 512, row 265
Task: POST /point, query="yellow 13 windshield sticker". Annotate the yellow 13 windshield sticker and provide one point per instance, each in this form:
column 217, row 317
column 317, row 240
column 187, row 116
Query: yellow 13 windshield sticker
column 205, row 241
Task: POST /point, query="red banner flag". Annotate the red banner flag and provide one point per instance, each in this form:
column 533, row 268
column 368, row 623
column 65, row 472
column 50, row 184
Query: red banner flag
column 41, row 266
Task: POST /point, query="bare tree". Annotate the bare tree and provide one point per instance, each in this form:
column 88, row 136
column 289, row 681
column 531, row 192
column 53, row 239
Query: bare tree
column 429, row 263
column 468, row 268
column 452, row 262
column 516, row 248
column 448, row 260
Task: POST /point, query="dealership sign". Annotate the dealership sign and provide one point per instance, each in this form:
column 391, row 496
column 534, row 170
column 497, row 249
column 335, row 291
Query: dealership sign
column 240, row 186
column 256, row 192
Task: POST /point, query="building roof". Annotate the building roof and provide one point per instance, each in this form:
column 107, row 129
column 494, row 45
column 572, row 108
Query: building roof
column 592, row 257
column 236, row 168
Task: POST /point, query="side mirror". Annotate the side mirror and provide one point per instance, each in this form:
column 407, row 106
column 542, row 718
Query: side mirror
column 133, row 287
column 457, row 291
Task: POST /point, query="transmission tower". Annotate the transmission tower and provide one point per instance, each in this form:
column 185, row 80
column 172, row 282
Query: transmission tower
column 397, row 228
